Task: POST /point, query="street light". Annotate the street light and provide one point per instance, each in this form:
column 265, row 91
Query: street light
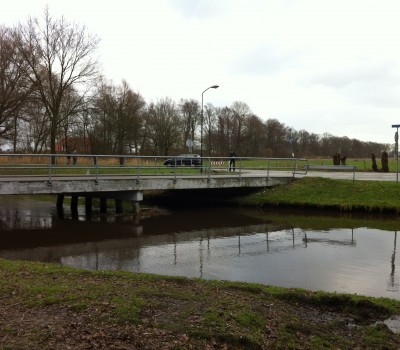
column 201, row 120
column 396, row 139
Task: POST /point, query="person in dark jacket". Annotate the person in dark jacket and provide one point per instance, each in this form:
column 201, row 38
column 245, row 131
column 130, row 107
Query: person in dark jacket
column 74, row 157
column 232, row 160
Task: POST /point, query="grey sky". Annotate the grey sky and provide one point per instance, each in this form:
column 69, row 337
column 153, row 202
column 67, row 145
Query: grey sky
column 322, row 66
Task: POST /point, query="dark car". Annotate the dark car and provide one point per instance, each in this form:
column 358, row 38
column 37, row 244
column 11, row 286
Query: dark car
column 184, row 159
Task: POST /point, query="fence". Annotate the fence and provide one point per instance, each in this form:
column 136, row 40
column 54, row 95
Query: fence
column 63, row 165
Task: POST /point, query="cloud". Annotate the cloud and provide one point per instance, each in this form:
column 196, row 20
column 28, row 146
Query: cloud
column 263, row 60
column 360, row 73
column 314, row 65
column 200, row 8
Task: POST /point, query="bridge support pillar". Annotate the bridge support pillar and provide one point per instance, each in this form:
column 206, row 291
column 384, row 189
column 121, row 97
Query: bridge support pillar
column 136, row 207
column 103, row 205
column 60, row 202
column 119, row 208
column 74, row 205
column 135, row 197
column 60, row 205
column 88, row 205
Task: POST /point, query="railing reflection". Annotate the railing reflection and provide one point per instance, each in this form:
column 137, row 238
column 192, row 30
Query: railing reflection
column 189, row 252
column 107, row 251
column 393, row 286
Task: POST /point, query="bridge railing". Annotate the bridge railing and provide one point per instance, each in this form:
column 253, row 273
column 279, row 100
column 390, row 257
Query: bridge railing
column 97, row 166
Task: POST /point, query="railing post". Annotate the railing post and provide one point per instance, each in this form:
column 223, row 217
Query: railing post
column 175, row 170
column 294, row 167
column 209, row 170
column 96, row 163
column 138, row 170
column 49, row 180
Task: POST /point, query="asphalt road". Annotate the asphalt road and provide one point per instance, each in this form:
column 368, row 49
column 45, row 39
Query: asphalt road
column 340, row 175
column 335, row 174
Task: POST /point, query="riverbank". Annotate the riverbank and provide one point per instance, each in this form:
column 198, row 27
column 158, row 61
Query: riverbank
column 48, row 306
column 321, row 193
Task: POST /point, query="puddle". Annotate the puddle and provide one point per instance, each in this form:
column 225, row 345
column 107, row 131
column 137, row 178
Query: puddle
column 393, row 323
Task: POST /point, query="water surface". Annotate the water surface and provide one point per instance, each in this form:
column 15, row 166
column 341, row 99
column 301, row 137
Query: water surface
column 218, row 243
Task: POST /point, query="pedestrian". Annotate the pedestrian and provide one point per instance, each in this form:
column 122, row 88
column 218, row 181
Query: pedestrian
column 232, row 160
column 68, row 156
column 74, row 157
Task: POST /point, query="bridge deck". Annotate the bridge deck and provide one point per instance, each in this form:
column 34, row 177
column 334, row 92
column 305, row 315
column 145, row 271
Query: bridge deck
column 50, row 174
column 87, row 184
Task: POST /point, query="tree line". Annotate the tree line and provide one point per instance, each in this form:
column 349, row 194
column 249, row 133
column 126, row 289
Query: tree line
column 53, row 98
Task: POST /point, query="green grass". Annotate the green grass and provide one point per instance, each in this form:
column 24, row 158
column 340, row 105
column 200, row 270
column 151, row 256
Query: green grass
column 376, row 196
column 239, row 315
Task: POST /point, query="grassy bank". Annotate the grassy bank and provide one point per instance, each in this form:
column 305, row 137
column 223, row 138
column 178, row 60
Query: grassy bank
column 47, row 306
column 52, row 307
column 343, row 195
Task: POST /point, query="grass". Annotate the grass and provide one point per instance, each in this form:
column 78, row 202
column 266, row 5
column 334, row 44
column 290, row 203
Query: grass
column 121, row 309
column 190, row 312
column 343, row 195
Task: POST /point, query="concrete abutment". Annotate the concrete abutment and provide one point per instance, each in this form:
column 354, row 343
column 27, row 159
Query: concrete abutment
column 135, row 197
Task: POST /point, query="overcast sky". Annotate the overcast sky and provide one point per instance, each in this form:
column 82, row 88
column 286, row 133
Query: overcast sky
column 318, row 65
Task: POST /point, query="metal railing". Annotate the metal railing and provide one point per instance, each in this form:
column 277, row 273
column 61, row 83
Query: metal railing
column 98, row 166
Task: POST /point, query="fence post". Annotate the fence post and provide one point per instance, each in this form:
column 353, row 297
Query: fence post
column 138, row 170
column 49, row 180
column 96, row 163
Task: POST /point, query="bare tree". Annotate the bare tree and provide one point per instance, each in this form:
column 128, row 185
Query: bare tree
column 190, row 110
column 164, row 123
column 275, row 138
column 130, row 118
column 254, row 137
column 223, row 131
column 71, row 107
column 59, row 58
column 38, row 130
column 209, row 129
column 117, row 115
column 14, row 86
column 240, row 112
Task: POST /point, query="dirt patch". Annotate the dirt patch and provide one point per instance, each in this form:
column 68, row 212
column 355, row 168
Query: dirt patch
column 59, row 328
column 45, row 306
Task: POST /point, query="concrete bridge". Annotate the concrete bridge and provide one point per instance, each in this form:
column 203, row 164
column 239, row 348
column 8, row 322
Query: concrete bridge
column 125, row 178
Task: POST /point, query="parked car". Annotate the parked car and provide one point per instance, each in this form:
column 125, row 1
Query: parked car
column 184, row 159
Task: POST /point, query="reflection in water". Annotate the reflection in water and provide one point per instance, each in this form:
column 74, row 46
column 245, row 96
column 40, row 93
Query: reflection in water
column 393, row 286
column 212, row 244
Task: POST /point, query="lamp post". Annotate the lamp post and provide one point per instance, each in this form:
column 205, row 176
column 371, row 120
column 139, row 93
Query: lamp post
column 396, row 138
column 201, row 120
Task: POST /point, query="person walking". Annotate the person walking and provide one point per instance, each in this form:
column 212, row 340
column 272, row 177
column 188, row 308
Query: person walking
column 74, row 157
column 68, row 156
column 232, row 160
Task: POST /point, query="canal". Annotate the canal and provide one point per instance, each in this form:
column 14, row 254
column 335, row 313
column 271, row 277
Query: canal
column 335, row 252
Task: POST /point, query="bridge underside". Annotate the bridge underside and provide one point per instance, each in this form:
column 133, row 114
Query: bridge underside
column 126, row 188
column 89, row 185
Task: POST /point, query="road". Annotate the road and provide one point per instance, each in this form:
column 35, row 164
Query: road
column 337, row 175
column 340, row 175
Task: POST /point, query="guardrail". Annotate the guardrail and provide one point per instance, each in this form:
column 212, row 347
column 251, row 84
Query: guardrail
column 352, row 168
column 97, row 166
